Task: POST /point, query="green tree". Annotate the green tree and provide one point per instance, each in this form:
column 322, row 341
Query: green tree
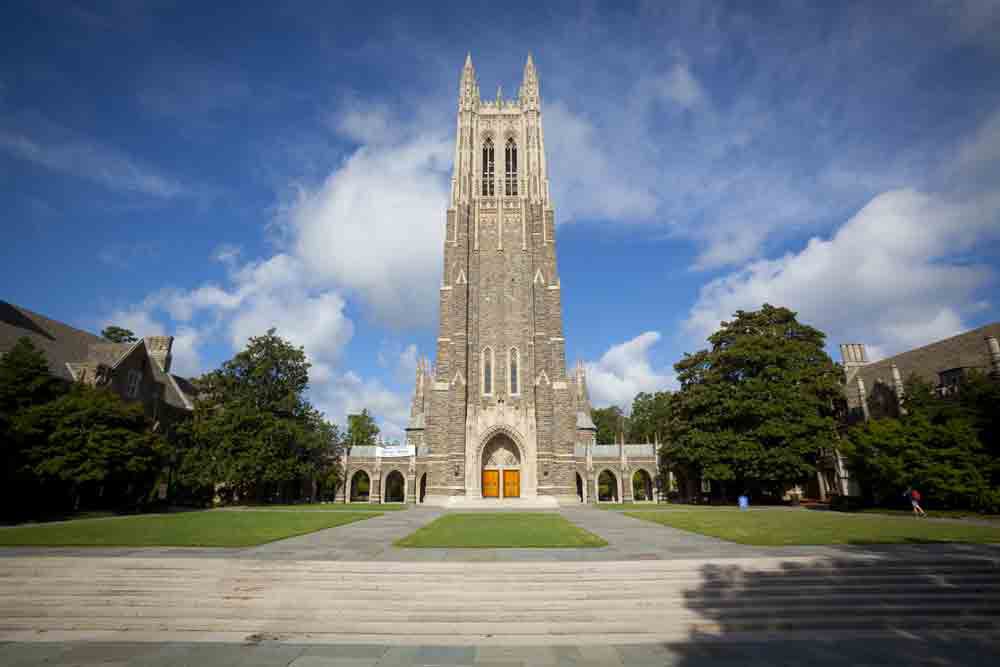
column 650, row 416
column 118, row 335
column 25, row 381
column 756, row 408
column 361, row 429
column 942, row 458
column 610, row 422
column 253, row 432
column 90, row 439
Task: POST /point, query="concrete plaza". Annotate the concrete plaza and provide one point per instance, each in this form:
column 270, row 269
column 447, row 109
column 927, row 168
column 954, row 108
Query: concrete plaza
column 655, row 595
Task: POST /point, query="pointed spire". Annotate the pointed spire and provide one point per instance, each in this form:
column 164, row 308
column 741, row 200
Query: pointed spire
column 528, row 95
column 468, row 89
column 499, row 96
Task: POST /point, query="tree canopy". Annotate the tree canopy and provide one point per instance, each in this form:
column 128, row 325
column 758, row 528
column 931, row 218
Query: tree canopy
column 650, row 416
column 945, row 446
column 253, row 430
column 361, row 429
column 610, row 422
column 756, row 407
column 118, row 335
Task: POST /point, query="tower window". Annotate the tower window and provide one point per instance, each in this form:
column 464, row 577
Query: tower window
column 488, row 168
column 512, row 365
column 488, row 371
column 510, row 180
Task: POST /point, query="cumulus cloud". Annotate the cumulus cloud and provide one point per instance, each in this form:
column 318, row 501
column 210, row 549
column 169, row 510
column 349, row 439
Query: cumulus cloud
column 376, row 227
column 624, row 371
column 348, row 393
column 892, row 275
column 680, row 86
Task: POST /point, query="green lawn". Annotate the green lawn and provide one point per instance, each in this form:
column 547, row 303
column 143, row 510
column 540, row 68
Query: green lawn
column 185, row 529
column 789, row 527
column 501, row 530
column 942, row 514
column 632, row 506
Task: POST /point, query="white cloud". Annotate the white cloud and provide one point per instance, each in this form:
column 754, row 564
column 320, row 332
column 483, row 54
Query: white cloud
column 624, row 371
column 89, row 160
column 376, row 227
column 680, row 86
column 348, row 393
column 892, row 275
column 586, row 177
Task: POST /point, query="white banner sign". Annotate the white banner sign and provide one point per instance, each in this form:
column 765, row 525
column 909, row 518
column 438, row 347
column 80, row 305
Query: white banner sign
column 392, row 451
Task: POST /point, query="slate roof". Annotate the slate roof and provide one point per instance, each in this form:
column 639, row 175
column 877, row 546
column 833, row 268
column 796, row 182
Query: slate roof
column 67, row 347
column 61, row 343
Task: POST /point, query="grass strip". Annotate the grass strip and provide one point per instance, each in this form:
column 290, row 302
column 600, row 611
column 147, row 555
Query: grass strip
column 184, row 529
column 804, row 527
column 501, row 530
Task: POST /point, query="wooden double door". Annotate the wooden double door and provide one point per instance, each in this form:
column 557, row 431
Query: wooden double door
column 511, row 483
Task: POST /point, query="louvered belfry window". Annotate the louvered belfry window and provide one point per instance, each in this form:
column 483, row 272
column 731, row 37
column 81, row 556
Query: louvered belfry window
column 510, row 179
column 488, row 168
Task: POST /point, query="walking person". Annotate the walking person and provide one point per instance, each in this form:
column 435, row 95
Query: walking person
column 914, row 496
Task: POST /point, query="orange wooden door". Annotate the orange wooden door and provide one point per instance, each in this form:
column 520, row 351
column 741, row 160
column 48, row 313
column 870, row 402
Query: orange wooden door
column 491, row 484
column 511, row 483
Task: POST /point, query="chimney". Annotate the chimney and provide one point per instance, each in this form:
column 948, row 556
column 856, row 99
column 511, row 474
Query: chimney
column 994, row 348
column 159, row 350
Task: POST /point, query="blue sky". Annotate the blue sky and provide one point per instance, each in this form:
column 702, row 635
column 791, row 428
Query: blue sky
column 212, row 172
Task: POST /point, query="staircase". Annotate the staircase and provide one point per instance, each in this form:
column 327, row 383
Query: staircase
column 536, row 603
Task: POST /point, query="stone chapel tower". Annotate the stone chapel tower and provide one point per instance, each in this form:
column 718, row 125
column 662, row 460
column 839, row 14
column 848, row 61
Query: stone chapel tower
column 498, row 416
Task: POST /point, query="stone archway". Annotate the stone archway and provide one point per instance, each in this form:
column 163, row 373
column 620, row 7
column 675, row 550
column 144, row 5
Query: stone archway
column 607, row 487
column 642, row 485
column 361, row 485
column 501, row 468
column 423, row 487
column 580, row 486
column 395, row 487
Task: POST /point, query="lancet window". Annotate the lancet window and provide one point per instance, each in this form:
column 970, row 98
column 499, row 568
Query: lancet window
column 510, row 179
column 488, row 371
column 514, row 370
column 488, row 168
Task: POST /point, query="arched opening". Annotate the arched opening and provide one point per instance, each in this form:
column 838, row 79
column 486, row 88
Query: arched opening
column 423, row 486
column 642, row 485
column 579, row 487
column 607, row 487
column 360, row 487
column 501, row 468
column 395, row 487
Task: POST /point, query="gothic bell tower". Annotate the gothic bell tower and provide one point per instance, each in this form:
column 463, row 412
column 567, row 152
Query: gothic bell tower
column 498, row 416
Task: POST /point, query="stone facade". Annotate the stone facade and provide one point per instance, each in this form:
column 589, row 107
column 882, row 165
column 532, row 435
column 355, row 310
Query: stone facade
column 499, row 403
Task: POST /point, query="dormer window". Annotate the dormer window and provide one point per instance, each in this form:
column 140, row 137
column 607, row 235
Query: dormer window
column 488, row 168
column 510, row 179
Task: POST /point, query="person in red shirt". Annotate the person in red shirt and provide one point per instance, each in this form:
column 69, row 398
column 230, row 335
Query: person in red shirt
column 914, row 496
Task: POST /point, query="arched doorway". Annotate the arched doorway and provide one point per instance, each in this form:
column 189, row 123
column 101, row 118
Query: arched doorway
column 501, row 468
column 395, row 487
column 642, row 485
column 360, row 487
column 423, row 487
column 607, row 487
column 579, row 487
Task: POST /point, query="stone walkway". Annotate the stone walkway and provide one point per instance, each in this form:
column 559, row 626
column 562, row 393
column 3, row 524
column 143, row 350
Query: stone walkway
column 816, row 653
